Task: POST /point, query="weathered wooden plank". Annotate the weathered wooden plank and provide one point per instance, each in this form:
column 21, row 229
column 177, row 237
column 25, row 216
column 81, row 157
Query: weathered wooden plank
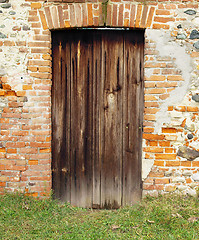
column 74, row 121
column 86, row 72
column 97, row 55
column 131, row 114
column 81, row 120
column 66, row 161
column 56, row 118
column 112, row 52
column 140, row 93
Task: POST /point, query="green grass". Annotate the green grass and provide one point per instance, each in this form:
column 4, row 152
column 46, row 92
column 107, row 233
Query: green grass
column 165, row 217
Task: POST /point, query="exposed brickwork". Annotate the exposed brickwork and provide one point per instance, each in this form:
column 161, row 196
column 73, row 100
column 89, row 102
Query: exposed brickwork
column 25, row 147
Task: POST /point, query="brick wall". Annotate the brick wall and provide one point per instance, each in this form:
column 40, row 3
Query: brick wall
column 170, row 139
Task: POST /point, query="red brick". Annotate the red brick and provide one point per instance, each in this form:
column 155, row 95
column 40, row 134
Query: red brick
column 144, row 17
column 155, row 91
column 192, row 109
column 165, row 156
column 185, row 163
column 168, row 150
column 148, row 130
column 138, row 16
column 148, row 187
column 162, row 181
column 132, row 15
column 153, row 149
column 150, row 17
column 48, row 17
column 170, row 188
column 114, row 15
column 162, row 12
column 195, row 164
column 175, row 78
column 159, row 163
column 160, row 26
column 172, row 163
column 156, row 174
column 164, row 19
column 153, row 143
column 156, row 78
column 35, row 5
column 153, row 136
column 54, row 12
column 169, row 130
column 159, row 187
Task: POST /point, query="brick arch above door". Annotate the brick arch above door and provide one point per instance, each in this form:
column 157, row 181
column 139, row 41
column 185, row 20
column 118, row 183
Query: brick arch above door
column 65, row 15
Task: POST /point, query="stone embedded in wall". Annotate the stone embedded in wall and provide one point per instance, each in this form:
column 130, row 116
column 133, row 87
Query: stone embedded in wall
column 194, row 34
column 26, row 27
column 187, row 173
column 182, row 187
column 196, row 177
column 189, row 136
column 3, row 1
column 6, row 5
column 179, row 180
column 2, row 35
column 12, row 12
column 195, row 97
column 191, row 128
column 196, row 45
column 168, row 173
column 190, row 12
column 191, row 192
column 181, row 36
column 2, row 72
column 24, row 99
column 187, row 153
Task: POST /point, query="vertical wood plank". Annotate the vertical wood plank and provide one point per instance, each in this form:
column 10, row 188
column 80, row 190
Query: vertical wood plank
column 97, row 83
column 132, row 119
column 81, row 120
column 112, row 159
column 66, row 164
column 56, row 104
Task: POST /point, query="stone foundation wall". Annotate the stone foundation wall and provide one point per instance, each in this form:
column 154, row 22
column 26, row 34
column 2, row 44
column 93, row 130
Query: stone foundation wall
column 170, row 138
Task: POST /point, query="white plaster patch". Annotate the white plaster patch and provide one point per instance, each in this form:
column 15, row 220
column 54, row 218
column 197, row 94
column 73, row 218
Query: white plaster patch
column 195, row 21
column 146, row 167
column 167, row 47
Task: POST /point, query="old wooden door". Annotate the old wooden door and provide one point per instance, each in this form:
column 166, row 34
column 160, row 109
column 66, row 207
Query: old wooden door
column 97, row 108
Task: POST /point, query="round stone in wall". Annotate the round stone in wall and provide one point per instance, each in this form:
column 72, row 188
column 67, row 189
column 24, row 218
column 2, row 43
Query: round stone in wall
column 2, row 35
column 196, row 177
column 12, row 12
column 181, row 36
column 6, row 5
column 195, row 97
column 190, row 12
column 189, row 136
column 26, row 28
column 3, row 1
column 196, row 45
column 194, row 34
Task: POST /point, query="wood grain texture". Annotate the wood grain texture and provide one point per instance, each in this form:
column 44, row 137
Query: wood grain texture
column 97, row 109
